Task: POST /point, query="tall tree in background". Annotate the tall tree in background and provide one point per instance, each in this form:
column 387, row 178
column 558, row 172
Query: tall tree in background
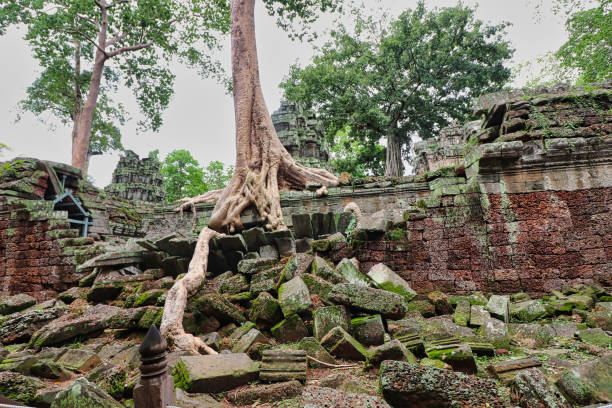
column 182, row 176
column 589, row 47
column 410, row 79
column 263, row 166
column 130, row 42
column 216, row 176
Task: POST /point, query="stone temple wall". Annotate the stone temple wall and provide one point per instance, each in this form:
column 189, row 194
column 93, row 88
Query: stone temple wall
column 137, row 179
column 529, row 207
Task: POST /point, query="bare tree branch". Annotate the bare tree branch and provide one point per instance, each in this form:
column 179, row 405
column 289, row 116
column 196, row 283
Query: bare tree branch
column 116, row 39
column 130, row 48
column 88, row 39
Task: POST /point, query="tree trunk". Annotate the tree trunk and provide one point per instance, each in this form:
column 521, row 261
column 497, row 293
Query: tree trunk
column 394, row 166
column 78, row 97
column 263, row 166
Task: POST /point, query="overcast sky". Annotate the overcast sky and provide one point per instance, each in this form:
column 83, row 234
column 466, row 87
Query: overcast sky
column 200, row 117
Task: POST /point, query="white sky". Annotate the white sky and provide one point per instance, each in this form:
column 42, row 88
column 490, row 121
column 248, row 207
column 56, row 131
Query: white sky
column 200, row 117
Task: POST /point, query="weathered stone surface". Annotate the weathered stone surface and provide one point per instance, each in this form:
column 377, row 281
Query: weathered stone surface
column 458, row 356
column 323, row 397
column 293, row 296
column 219, row 306
column 232, row 284
column 342, row 345
column 506, row 370
column 265, row 310
column 253, row 266
column 82, row 393
column 290, row 329
column 368, row 330
column 110, row 378
column 441, row 302
column 424, row 307
column 15, row 303
column 317, row 285
column 302, row 226
column 265, row 393
column 407, row 385
column 595, row 336
column 351, row 274
column 248, row 340
column 527, row 311
column 50, row 370
column 19, row 327
column 186, row 400
column 297, row 265
column 496, row 331
column 369, row 300
column 531, row 388
column 391, row 350
column 478, row 316
column 322, row 269
column 590, row 382
column 283, row 365
column 214, row 373
column 462, row 312
column 386, row 279
column 19, row 387
column 79, row 360
column 314, row 349
column 499, row 307
column 326, row 318
column 232, row 243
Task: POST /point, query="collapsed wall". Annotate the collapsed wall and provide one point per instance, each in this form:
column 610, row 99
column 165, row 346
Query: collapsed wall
column 527, row 207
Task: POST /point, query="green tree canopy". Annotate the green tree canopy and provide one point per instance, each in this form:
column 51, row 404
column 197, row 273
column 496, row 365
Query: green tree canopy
column 409, row 79
column 216, row 176
column 124, row 42
column 589, row 47
column 182, row 175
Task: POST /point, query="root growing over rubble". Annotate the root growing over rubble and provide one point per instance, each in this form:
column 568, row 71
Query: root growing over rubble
column 190, row 203
column 176, row 300
column 354, row 208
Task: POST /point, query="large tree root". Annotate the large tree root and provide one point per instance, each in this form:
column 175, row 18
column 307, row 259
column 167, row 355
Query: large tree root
column 176, row 300
column 354, row 208
column 190, row 203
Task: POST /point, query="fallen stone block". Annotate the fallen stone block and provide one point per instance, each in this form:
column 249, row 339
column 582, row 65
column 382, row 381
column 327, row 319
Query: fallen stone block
column 265, row 393
column 391, row 350
column 478, row 316
column 527, row 311
column 458, row 356
column 253, row 266
column 290, row 329
column 79, row 360
column 248, row 340
column 321, row 268
column 20, row 387
column 441, row 302
column 499, row 307
column 412, row 341
column 409, row 385
column 588, row 383
column 283, row 365
column 265, row 311
column 15, row 303
column 342, row 345
column 326, row 318
column 506, row 370
column 369, row 300
column 368, row 330
column 531, row 388
column 19, row 327
column 386, row 279
column 297, row 265
column 82, row 393
column 214, row 373
column 293, row 296
column 314, row 349
column 462, row 312
column 349, row 272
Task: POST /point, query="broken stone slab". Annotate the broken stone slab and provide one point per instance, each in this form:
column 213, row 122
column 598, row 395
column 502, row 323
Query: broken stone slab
column 297, row 265
column 20, row 326
column 596, row 337
column 79, row 360
column 368, row 330
column 286, row 247
column 478, row 316
column 116, row 258
column 83, row 393
column 344, row 220
column 303, row 245
column 214, row 373
column 314, row 349
column 283, row 365
column 302, row 227
column 265, row 393
column 255, row 239
column 527, row 311
column 15, row 303
column 342, row 345
column 412, row 341
column 326, row 318
column 231, row 243
column 391, row 350
column 18, row 387
column 184, row 399
column 386, row 279
column 458, row 356
column 317, row 285
column 248, row 340
column 177, row 246
column 290, row 329
column 72, row 294
column 462, row 312
column 50, row 370
column 499, row 307
column 531, row 388
column 409, row 385
column 268, row 285
column 110, row 378
column 232, row 284
column 588, row 383
column 268, row 251
column 253, row 266
column 496, row 331
column 506, row 370
column 218, row 306
column 265, row 310
column 105, row 291
column 424, row 307
column 369, row 300
column 321, row 268
column 323, row 397
column 293, row 296
column 349, row 272
column 441, row 302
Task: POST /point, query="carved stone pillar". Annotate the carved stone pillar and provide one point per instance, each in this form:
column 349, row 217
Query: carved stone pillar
column 156, row 387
